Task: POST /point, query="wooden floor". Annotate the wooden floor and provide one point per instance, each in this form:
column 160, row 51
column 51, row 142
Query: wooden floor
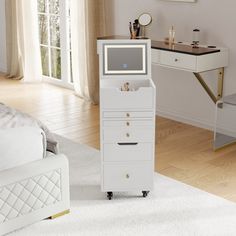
column 183, row 152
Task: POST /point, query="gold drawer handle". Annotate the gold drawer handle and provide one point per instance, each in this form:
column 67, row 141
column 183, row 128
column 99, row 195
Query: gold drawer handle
column 127, row 135
column 127, row 114
column 127, row 123
column 127, row 176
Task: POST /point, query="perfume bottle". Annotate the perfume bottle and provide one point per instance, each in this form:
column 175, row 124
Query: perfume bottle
column 171, row 35
column 196, row 38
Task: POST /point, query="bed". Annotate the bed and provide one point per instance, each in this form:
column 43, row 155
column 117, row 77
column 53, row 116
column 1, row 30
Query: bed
column 33, row 192
column 34, row 176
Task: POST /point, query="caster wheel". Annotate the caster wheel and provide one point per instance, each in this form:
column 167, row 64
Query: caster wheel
column 109, row 195
column 145, row 193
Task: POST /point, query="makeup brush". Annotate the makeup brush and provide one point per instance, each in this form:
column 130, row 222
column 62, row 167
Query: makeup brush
column 130, row 28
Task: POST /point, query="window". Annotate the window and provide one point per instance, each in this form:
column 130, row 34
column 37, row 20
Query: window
column 55, row 46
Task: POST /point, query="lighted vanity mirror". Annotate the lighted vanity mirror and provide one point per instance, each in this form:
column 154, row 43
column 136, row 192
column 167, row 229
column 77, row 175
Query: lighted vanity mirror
column 125, row 59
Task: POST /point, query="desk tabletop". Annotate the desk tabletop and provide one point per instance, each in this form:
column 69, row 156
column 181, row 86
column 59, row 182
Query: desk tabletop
column 119, row 37
column 176, row 47
column 183, row 48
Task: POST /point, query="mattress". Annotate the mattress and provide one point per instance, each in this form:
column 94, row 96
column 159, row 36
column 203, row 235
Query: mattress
column 21, row 145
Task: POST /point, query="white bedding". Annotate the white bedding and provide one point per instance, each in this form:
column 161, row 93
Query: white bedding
column 12, row 118
column 21, row 145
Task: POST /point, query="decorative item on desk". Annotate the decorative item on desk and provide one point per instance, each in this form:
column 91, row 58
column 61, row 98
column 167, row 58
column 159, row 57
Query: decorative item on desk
column 196, row 36
column 137, row 26
column 171, row 35
column 134, row 29
column 144, row 20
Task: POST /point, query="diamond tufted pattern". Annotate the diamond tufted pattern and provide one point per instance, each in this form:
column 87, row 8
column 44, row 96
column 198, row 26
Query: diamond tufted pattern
column 29, row 195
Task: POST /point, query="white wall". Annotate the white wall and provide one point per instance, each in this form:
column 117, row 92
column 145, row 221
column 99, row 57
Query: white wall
column 3, row 63
column 179, row 94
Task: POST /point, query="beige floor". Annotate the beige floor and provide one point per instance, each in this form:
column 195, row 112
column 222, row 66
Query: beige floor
column 183, row 152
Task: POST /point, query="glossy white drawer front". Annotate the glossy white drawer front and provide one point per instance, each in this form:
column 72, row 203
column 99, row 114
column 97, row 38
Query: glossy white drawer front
column 127, row 152
column 128, row 123
column 113, row 98
column 191, row 63
column 178, row 60
column 117, row 134
column 128, row 114
column 125, row 176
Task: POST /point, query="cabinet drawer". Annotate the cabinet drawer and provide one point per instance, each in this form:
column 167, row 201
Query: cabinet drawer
column 113, row 98
column 127, row 176
column 178, row 60
column 140, row 96
column 127, row 152
column 118, row 135
column 128, row 123
column 127, row 114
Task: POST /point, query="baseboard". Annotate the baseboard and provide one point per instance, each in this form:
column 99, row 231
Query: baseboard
column 174, row 115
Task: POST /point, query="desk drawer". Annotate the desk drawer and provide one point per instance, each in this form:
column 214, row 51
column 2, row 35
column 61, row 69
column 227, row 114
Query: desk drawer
column 126, row 135
column 128, row 123
column 127, row 152
column 127, row 114
column 128, row 176
column 178, row 60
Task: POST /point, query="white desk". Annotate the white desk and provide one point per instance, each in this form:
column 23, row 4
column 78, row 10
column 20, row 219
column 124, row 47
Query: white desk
column 195, row 60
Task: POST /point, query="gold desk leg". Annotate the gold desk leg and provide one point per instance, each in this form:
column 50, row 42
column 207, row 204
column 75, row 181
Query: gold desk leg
column 208, row 90
column 220, row 83
column 59, row 215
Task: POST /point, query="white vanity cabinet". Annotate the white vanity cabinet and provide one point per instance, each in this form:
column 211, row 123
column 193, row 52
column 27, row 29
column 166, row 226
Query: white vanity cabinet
column 190, row 62
column 127, row 122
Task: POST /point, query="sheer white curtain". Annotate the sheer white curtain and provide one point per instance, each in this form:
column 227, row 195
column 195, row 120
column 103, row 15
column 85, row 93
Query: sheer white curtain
column 87, row 23
column 23, row 52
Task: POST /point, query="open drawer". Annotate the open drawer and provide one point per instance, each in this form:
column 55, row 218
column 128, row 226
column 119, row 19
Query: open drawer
column 140, row 96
